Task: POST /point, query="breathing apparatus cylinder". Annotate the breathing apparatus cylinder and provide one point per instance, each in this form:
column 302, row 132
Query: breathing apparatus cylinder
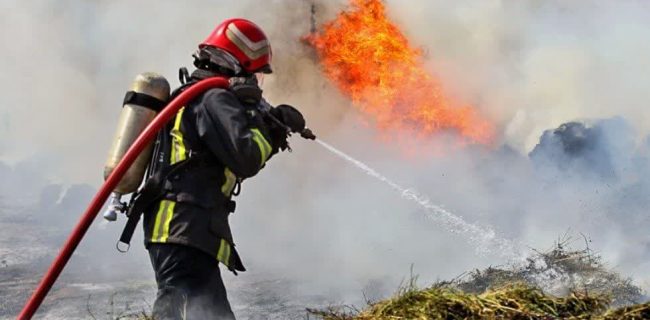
column 148, row 95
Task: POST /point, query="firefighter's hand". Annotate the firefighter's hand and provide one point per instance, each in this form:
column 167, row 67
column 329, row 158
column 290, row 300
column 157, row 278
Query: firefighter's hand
column 290, row 117
column 279, row 139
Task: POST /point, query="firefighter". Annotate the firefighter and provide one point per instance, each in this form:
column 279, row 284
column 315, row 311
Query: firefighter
column 200, row 160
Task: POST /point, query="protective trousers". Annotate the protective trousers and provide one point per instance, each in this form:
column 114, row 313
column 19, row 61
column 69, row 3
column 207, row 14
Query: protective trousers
column 189, row 284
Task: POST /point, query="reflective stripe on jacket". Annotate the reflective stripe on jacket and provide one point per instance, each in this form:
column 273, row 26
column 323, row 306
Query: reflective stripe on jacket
column 233, row 143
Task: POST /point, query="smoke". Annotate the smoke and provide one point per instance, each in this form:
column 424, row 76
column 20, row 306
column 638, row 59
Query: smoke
column 537, row 64
column 531, row 66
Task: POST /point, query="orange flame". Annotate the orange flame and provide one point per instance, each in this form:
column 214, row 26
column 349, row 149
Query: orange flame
column 368, row 58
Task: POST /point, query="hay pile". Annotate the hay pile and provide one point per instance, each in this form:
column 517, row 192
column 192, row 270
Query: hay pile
column 582, row 288
column 515, row 301
column 559, row 272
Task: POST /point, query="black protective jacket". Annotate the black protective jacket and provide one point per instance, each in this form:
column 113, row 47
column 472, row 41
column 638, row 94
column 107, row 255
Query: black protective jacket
column 204, row 153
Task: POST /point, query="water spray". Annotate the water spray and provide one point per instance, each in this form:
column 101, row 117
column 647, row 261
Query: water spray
column 485, row 239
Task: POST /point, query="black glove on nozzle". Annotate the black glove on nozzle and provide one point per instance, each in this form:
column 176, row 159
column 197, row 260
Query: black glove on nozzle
column 290, row 117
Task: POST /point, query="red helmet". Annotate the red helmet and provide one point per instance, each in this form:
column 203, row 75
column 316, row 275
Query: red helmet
column 245, row 41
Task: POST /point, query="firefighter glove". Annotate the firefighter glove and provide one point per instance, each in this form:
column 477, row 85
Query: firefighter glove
column 279, row 139
column 290, row 117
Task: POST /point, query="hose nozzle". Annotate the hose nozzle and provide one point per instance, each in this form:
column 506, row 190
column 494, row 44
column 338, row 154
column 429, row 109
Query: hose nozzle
column 307, row 134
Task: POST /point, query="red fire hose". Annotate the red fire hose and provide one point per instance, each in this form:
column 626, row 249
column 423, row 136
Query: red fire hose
column 111, row 182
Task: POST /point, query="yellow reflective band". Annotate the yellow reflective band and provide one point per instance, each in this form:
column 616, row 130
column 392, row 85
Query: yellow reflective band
column 230, row 182
column 178, row 145
column 223, row 255
column 265, row 147
column 156, row 226
column 168, row 219
column 163, row 219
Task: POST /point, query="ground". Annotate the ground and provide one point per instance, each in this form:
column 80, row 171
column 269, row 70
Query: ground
column 81, row 293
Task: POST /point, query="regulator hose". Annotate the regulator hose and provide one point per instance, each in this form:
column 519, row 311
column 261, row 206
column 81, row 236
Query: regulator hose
column 110, row 183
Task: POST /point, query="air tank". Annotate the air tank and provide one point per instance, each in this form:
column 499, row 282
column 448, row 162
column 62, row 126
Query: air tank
column 147, row 96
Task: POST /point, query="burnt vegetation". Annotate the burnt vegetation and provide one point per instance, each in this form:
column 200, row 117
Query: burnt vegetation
column 560, row 283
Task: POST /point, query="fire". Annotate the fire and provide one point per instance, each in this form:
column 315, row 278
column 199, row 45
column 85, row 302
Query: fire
column 370, row 60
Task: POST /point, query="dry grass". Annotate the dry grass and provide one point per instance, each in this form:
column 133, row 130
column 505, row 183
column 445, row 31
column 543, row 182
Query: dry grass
column 557, row 271
column 515, row 301
column 521, row 292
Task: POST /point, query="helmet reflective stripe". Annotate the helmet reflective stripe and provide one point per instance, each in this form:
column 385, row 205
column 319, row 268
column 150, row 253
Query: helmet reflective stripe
column 245, row 41
column 253, row 50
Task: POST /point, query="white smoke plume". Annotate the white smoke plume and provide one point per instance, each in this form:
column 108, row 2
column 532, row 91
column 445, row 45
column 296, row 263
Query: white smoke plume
column 530, row 66
column 534, row 65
